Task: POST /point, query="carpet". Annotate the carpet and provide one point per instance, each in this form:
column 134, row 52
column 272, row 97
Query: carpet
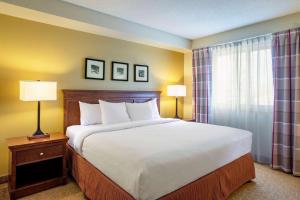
column 268, row 185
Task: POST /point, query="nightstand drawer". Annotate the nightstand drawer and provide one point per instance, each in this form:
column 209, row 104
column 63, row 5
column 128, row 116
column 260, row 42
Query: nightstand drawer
column 39, row 153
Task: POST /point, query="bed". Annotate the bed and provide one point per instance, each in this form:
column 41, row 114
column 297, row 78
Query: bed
column 157, row 159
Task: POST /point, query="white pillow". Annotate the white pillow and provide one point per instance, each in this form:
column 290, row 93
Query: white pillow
column 154, row 108
column 112, row 113
column 139, row 111
column 89, row 114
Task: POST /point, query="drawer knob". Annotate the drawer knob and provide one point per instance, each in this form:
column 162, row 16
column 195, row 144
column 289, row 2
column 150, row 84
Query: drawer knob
column 41, row 154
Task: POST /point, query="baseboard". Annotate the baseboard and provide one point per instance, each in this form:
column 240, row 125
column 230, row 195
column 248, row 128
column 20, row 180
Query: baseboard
column 3, row 179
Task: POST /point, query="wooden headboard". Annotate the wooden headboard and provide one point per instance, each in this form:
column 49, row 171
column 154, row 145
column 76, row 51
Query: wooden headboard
column 72, row 98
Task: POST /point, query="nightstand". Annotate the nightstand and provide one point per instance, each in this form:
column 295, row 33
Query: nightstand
column 36, row 165
column 189, row 120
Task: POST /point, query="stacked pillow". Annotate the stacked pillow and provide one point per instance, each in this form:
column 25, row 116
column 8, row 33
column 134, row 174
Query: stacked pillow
column 143, row 111
column 111, row 113
column 89, row 114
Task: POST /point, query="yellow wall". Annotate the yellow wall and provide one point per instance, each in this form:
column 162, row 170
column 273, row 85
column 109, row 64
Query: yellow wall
column 188, row 77
column 31, row 51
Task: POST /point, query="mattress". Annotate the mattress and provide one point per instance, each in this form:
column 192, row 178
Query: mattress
column 73, row 132
column 149, row 159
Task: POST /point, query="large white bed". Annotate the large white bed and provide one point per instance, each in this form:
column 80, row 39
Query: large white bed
column 152, row 158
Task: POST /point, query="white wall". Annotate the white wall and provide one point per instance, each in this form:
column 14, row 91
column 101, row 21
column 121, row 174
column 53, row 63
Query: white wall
column 270, row 26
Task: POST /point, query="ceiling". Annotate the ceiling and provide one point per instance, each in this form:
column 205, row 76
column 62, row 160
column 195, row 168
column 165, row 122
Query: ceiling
column 193, row 18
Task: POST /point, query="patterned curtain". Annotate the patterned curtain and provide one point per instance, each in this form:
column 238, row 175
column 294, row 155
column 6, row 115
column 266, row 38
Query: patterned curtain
column 201, row 84
column 286, row 122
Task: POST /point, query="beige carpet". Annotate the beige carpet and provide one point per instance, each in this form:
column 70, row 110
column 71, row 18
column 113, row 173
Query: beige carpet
column 268, row 185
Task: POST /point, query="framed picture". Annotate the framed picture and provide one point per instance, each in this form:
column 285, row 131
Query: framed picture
column 94, row 69
column 141, row 73
column 119, row 71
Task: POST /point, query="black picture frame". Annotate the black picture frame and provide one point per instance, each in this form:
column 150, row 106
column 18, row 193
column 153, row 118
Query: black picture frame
column 115, row 64
column 88, row 65
column 136, row 73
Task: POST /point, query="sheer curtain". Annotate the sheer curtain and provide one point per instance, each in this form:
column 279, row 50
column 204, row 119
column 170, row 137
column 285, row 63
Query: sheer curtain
column 242, row 91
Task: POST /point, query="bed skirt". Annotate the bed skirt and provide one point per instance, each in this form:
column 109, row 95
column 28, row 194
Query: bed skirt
column 217, row 185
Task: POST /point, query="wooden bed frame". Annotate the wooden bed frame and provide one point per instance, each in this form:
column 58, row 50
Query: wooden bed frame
column 219, row 184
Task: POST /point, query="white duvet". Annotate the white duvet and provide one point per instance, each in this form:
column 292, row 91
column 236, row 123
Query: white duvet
column 149, row 159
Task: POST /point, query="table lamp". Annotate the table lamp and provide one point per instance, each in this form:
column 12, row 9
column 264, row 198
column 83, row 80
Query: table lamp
column 177, row 91
column 38, row 91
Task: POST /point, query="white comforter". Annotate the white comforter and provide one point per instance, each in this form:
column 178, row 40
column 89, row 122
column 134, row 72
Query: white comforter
column 149, row 159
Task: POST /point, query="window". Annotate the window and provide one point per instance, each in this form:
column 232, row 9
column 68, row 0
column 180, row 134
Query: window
column 242, row 75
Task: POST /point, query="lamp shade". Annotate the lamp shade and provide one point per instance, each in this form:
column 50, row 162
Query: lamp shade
column 38, row 90
column 177, row 90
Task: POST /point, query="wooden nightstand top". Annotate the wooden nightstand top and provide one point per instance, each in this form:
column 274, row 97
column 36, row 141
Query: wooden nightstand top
column 18, row 142
column 189, row 120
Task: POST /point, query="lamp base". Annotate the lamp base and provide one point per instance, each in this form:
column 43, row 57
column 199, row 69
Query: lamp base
column 38, row 134
column 176, row 111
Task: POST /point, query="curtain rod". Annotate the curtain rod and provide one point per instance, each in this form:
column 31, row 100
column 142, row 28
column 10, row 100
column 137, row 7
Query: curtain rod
column 235, row 41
